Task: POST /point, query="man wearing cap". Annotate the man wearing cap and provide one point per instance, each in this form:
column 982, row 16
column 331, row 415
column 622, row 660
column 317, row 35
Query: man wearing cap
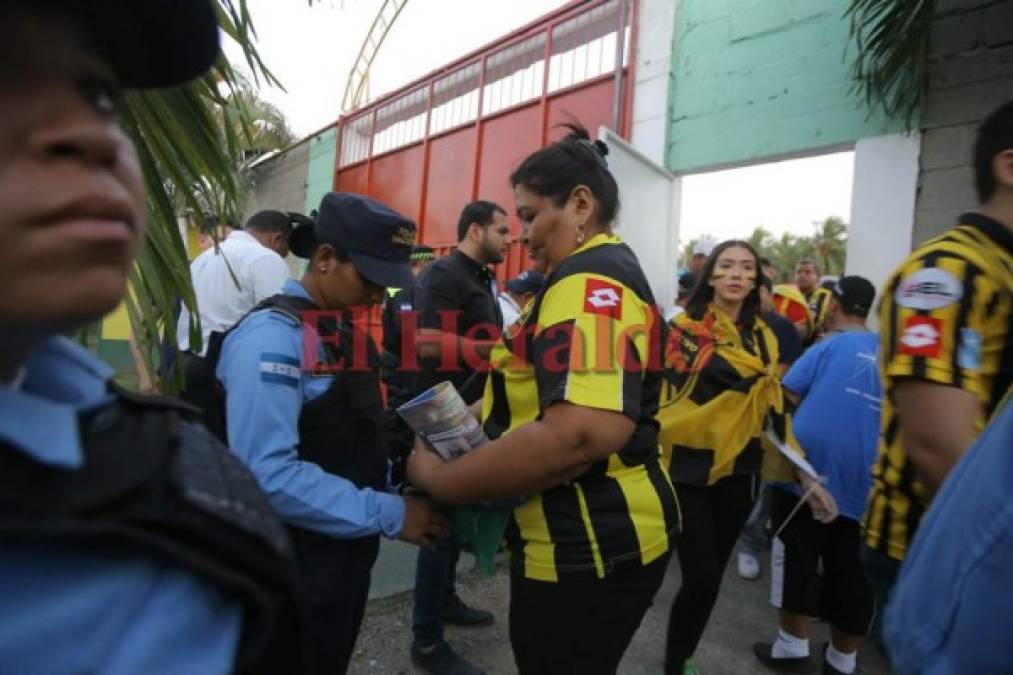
column 518, row 293
column 398, row 308
column 304, row 412
column 837, row 387
column 130, row 540
column 701, row 250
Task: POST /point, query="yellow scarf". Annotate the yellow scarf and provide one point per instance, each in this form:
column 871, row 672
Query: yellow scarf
column 706, row 406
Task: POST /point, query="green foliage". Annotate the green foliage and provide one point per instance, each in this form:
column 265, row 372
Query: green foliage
column 891, row 66
column 827, row 245
column 192, row 162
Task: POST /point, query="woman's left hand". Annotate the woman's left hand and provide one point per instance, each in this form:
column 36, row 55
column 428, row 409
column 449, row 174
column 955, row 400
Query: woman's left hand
column 821, row 502
column 421, row 464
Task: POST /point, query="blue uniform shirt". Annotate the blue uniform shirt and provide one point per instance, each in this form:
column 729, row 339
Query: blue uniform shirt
column 72, row 608
column 837, row 422
column 949, row 612
column 261, row 368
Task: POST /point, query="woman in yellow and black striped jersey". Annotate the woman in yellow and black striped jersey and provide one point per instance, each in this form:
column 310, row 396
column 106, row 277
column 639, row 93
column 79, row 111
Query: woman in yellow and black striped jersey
column 570, row 404
column 721, row 389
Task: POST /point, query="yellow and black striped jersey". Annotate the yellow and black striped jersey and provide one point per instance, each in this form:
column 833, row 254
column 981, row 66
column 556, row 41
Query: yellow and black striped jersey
column 819, row 304
column 592, row 338
column 946, row 318
column 721, row 386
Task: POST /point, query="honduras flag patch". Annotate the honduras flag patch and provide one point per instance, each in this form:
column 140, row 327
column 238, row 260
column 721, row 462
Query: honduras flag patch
column 279, row 369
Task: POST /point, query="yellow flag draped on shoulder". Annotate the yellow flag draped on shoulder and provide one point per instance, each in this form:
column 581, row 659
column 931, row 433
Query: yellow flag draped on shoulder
column 722, row 388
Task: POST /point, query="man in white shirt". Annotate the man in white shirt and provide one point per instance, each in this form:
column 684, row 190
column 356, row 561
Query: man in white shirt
column 230, row 279
column 519, row 291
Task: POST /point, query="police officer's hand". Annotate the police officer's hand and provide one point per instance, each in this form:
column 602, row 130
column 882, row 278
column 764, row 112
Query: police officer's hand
column 423, row 522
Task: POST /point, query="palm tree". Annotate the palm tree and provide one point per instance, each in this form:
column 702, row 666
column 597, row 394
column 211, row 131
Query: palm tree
column 185, row 150
column 831, row 243
column 890, row 69
column 760, row 239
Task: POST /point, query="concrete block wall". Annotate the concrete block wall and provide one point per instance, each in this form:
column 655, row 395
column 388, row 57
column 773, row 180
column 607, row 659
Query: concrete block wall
column 763, row 79
column 280, row 182
column 320, row 167
column 970, row 74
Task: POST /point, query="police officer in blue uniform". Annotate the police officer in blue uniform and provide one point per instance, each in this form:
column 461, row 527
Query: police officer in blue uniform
column 130, row 540
column 304, row 412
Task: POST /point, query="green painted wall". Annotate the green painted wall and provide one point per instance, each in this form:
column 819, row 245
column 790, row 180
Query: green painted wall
column 761, row 78
column 320, row 173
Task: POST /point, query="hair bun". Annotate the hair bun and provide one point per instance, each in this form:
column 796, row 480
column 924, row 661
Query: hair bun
column 602, row 149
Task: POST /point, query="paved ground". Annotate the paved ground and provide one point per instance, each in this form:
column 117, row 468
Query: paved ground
column 742, row 616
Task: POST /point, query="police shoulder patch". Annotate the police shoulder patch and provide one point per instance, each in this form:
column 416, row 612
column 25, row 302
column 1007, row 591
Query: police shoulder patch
column 929, row 288
column 279, row 369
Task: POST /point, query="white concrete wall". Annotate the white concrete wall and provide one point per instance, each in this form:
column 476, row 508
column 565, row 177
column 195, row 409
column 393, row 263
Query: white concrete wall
column 882, row 205
column 655, row 31
column 646, row 213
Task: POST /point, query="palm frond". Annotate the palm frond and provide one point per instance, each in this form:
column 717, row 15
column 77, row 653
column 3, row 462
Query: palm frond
column 189, row 159
column 890, row 70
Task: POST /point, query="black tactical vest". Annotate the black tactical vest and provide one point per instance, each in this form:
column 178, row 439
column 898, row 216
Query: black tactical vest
column 341, row 431
column 153, row 479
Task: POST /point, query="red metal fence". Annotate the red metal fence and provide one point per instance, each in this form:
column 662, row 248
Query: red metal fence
column 455, row 135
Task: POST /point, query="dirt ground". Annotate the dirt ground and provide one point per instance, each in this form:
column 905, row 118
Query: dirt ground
column 742, row 616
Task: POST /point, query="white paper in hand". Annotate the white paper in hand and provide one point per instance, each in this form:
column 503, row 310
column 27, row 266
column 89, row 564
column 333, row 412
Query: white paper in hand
column 797, row 460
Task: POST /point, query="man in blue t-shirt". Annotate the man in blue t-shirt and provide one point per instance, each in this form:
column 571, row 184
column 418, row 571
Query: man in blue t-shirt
column 837, row 387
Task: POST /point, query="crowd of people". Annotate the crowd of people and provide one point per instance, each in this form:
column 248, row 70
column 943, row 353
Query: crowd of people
column 237, row 531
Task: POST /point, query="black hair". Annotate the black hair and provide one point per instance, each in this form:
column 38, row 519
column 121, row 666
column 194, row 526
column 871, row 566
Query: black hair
column 703, row 293
column 478, row 212
column 808, row 261
column 995, row 135
column 766, row 281
column 555, row 170
column 269, row 221
column 765, row 262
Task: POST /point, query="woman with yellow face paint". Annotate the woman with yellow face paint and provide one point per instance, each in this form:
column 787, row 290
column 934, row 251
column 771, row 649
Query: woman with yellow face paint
column 721, row 390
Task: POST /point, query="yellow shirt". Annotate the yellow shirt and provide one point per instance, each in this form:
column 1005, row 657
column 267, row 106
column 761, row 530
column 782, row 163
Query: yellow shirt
column 722, row 387
column 587, row 339
column 945, row 319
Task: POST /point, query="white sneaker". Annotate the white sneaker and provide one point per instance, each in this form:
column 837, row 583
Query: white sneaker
column 748, row 566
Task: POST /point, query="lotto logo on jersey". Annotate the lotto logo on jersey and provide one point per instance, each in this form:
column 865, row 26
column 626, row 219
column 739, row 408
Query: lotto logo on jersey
column 922, row 336
column 601, row 297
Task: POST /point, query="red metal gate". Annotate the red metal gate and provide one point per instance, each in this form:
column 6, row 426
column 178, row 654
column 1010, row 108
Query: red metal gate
column 456, row 134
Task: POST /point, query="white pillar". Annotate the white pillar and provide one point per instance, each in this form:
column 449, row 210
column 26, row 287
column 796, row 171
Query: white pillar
column 882, row 205
column 655, row 32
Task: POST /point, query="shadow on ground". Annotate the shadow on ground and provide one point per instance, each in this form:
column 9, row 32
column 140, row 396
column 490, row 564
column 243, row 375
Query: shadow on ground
column 742, row 616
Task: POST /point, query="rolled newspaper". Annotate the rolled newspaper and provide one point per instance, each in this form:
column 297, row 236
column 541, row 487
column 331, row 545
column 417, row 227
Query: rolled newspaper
column 441, row 418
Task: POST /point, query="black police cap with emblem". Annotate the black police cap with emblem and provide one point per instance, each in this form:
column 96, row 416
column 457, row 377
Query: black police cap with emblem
column 149, row 43
column 377, row 238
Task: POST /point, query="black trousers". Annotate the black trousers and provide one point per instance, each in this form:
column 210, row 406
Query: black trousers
column 336, row 576
column 844, row 598
column 580, row 626
column 712, row 518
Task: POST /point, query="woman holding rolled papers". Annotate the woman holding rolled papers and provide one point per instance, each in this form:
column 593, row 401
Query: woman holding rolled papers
column 569, row 407
column 721, row 391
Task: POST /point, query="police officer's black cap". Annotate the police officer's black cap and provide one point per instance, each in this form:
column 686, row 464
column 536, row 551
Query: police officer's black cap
column 149, row 43
column 377, row 238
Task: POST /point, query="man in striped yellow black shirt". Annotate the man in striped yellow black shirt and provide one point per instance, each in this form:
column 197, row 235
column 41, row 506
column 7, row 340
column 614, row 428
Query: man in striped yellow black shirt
column 947, row 354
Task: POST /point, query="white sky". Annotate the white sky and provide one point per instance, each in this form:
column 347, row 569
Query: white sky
column 311, row 50
column 781, row 196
